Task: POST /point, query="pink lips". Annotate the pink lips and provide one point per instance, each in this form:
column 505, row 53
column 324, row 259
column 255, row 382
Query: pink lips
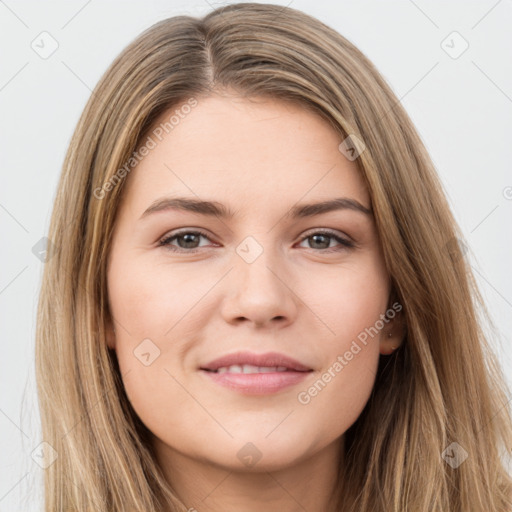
column 268, row 359
column 257, row 383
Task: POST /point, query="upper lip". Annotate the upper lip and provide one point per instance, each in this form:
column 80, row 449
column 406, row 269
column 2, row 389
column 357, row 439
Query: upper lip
column 269, row 359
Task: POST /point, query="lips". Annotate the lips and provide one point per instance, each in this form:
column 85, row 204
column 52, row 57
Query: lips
column 255, row 374
column 268, row 360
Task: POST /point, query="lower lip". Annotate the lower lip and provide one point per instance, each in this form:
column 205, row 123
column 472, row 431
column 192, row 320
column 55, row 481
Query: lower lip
column 257, row 383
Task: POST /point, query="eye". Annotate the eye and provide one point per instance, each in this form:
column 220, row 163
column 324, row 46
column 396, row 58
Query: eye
column 323, row 238
column 188, row 241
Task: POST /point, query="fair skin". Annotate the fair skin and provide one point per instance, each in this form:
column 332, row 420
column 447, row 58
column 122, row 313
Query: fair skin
column 306, row 296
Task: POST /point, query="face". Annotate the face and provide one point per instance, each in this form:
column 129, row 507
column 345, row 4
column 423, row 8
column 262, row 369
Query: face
column 190, row 285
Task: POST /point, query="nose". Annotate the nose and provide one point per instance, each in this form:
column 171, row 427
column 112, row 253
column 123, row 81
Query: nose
column 260, row 292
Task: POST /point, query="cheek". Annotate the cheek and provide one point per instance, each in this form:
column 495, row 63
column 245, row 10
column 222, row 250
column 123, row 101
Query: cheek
column 147, row 307
column 148, row 300
column 352, row 308
column 352, row 300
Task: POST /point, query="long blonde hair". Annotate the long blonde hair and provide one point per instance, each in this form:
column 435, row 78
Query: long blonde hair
column 442, row 386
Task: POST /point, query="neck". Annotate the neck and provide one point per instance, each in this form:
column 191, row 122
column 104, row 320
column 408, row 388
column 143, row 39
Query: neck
column 311, row 484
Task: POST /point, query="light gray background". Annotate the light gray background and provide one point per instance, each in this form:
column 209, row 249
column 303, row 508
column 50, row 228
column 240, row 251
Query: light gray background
column 461, row 106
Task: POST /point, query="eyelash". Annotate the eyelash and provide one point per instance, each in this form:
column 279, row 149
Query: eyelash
column 165, row 242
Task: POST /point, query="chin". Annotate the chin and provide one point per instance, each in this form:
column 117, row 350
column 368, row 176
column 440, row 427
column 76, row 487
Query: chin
column 256, row 453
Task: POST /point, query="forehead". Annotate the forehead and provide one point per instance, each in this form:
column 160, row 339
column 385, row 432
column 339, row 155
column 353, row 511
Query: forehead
column 243, row 150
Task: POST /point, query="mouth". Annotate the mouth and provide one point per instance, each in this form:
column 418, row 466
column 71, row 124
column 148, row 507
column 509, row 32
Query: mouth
column 255, row 374
column 250, row 369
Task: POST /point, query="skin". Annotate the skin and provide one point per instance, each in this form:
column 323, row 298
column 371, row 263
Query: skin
column 259, row 158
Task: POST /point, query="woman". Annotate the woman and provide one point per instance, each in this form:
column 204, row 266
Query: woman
column 198, row 350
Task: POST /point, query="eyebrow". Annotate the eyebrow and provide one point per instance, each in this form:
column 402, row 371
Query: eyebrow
column 213, row 208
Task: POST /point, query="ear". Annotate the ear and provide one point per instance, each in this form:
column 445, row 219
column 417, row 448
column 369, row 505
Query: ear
column 393, row 334
column 110, row 334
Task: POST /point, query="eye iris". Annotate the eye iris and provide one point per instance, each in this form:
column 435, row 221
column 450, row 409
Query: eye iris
column 325, row 237
column 189, row 239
